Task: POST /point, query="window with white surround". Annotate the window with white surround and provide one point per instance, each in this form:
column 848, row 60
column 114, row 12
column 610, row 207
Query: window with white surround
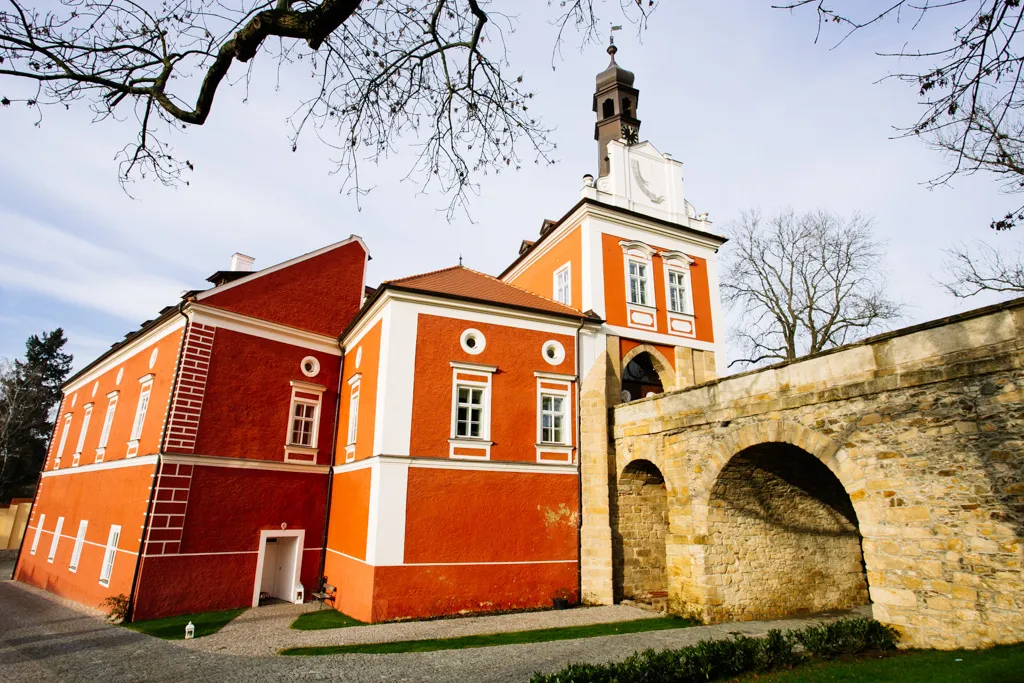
column 76, row 554
column 471, row 410
column 56, row 539
column 39, row 531
column 303, row 422
column 563, row 285
column 110, row 555
column 353, row 411
column 108, row 420
column 552, row 418
column 677, row 291
column 140, row 414
column 639, row 283
column 63, row 441
column 81, row 436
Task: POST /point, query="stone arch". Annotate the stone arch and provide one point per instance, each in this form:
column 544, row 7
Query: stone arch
column 639, row 516
column 661, row 365
column 778, row 516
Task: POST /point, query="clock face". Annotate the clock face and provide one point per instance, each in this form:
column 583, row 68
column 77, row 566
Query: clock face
column 630, row 135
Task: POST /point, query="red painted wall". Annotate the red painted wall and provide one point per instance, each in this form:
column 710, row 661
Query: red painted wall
column 245, row 410
column 320, row 294
column 515, row 352
column 104, row 497
column 227, row 509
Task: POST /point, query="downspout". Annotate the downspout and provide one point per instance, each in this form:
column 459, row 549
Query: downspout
column 156, row 471
column 330, row 471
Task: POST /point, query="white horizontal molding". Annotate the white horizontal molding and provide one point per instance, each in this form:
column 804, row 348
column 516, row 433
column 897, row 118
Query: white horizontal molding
column 243, row 463
column 474, row 367
column 100, row 466
column 172, row 324
column 475, row 564
column 554, row 376
column 449, row 464
column 495, row 314
column 637, row 334
column 229, row 320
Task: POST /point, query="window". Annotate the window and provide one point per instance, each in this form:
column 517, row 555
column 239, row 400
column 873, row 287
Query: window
column 110, row 555
column 353, row 413
column 39, row 531
column 76, row 554
column 63, row 440
column 472, row 341
column 469, row 409
column 638, row 283
column 563, row 288
column 83, row 433
column 303, row 424
column 108, row 420
column 677, row 291
column 56, row 539
column 552, row 418
column 140, row 410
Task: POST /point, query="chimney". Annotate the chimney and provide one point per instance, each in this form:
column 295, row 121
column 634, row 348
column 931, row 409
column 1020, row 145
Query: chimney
column 241, row 262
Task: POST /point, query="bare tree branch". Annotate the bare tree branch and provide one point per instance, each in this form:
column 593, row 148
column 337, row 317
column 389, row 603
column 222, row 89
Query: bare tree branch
column 983, row 268
column 804, row 283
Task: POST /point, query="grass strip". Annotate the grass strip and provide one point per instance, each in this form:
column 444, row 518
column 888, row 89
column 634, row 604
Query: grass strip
column 491, row 639
column 324, row 619
column 1004, row 664
column 173, row 628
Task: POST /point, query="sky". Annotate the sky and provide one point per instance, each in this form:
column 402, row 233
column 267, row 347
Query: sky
column 761, row 116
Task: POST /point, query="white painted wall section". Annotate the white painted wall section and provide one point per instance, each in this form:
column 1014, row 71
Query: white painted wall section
column 389, row 485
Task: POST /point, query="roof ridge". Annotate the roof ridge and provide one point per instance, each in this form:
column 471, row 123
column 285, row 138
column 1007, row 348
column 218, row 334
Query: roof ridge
column 526, row 291
column 431, row 272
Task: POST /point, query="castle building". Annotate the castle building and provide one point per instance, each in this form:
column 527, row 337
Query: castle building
column 435, row 445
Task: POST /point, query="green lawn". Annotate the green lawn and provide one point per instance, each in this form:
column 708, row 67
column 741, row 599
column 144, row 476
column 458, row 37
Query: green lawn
column 324, row 618
column 173, row 628
column 537, row 636
column 997, row 665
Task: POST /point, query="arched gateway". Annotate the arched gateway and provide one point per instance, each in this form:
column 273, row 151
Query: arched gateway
column 639, row 527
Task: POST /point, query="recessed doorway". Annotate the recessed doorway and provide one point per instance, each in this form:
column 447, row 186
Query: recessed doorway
column 278, row 566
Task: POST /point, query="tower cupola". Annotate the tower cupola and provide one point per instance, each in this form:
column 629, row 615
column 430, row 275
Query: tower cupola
column 615, row 101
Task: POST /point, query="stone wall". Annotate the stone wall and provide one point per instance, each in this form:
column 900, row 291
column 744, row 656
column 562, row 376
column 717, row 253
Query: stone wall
column 784, row 537
column 639, row 524
column 924, row 430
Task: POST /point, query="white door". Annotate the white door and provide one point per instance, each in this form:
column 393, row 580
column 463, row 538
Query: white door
column 286, row 561
column 268, row 582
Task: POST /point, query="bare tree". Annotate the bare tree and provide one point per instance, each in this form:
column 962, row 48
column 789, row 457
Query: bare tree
column 970, row 271
column 970, row 87
column 804, row 283
column 436, row 71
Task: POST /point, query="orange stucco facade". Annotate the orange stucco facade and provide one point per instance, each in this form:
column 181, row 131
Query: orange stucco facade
column 539, row 277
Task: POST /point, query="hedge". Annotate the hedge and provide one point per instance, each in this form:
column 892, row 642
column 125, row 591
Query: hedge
column 711, row 660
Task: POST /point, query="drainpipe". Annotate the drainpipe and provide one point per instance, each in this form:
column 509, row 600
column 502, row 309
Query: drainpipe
column 330, row 471
column 159, row 454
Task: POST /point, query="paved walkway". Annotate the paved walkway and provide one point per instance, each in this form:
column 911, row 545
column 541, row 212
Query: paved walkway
column 42, row 639
column 267, row 630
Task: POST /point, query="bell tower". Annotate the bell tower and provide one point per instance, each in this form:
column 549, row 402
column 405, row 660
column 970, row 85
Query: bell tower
column 615, row 102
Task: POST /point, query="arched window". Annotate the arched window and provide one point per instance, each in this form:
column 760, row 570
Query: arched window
column 640, row 379
column 627, row 107
column 608, row 108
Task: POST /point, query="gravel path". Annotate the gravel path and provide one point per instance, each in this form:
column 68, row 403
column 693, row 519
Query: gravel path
column 267, row 630
column 44, row 640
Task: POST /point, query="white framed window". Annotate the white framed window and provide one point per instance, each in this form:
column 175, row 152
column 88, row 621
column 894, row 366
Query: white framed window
column 76, row 554
column 639, row 283
column 39, row 532
column 553, row 418
column 56, row 539
column 142, row 407
column 81, row 436
column 353, row 410
column 110, row 554
column 677, row 291
column 63, row 441
column 471, row 410
column 108, row 421
column 303, row 422
column 563, row 284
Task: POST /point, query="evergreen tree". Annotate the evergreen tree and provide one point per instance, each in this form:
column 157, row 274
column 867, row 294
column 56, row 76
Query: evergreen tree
column 29, row 393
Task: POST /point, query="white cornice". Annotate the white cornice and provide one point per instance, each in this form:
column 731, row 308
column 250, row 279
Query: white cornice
column 243, row 463
column 285, row 264
column 554, row 376
column 130, row 349
column 449, row 464
column 101, row 466
column 219, row 317
column 473, row 367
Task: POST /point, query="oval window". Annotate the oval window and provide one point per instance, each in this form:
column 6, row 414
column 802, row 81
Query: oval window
column 553, row 352
column 473, row 341
column 310, row 366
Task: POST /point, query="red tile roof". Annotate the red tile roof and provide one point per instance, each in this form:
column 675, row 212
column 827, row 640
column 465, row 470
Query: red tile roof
column 462, row 283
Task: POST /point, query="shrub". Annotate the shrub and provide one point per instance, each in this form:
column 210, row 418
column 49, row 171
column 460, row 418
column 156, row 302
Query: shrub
column 711, row 660
column 117, row 607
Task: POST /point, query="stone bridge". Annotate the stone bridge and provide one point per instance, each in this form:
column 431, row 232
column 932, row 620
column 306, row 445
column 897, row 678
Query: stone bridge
column 888, row 472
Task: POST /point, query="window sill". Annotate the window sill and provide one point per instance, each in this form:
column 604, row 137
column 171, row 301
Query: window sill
column 469, row 441
column 682, row 314
column 100, row 452
column 303, row 454
column 560, row 447
column 133, row 448
column 75, row 459
column 644, row 306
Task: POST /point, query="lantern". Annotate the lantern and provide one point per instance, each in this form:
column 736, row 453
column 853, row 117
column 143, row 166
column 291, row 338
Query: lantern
column 190, row 631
